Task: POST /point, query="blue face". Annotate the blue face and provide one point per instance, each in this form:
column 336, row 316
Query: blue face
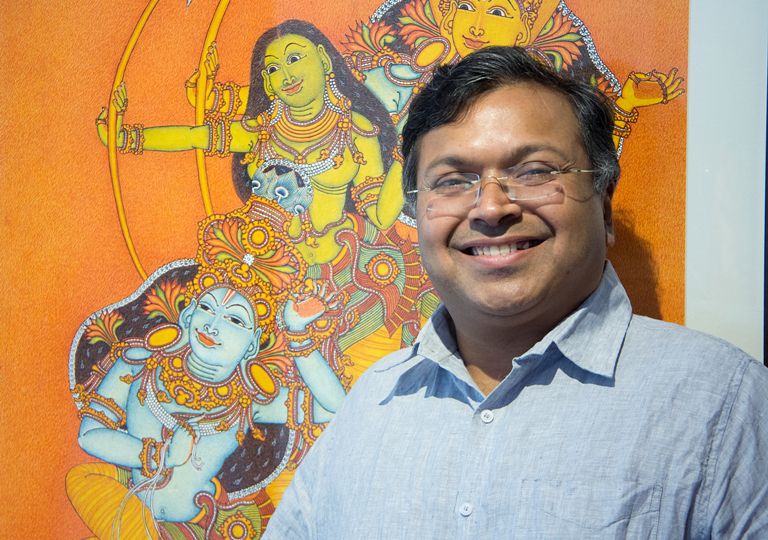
column 283, row 185
column 223, row 330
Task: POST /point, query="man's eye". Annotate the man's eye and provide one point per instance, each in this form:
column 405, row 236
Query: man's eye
column 466, row 6
column 534, row 172
column 295, row 57
column 270, row 69
column 497, row 11
column 452, row 183
column 206, row 308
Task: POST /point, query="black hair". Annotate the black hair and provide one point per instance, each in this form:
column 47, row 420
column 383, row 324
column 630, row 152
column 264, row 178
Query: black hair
column 454, row 88
column 363, row 101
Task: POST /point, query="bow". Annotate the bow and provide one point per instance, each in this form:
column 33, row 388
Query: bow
column 210, row 37
column 112, row 136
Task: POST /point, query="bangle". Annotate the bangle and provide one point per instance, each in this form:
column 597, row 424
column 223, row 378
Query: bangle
column 151, row 451
column 621, row 114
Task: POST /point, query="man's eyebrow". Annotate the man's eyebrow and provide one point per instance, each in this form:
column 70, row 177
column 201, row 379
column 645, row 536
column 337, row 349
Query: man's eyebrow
column 515, row 156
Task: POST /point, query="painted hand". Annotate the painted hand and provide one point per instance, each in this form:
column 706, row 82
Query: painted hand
column 120, row 101
column 644, row 89
column 212, row 65
column 180, row 447
column 307, row 307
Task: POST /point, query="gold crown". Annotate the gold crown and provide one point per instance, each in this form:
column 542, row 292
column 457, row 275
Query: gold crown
column 250, row 251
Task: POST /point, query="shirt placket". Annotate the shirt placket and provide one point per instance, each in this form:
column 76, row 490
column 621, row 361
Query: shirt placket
column 477, row 459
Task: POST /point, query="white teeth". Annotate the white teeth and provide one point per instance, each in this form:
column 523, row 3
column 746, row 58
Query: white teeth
column 495, row 251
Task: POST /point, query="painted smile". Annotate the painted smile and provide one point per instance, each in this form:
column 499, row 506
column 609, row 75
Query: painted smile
column 205, row 339
column 474, row 43
column 293, row 89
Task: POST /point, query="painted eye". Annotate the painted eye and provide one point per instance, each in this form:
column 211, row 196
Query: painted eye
column 465, row 6
column 235, row 320
column 205, row 307
column 271, row 68
column 292, row 58
column 498, row 12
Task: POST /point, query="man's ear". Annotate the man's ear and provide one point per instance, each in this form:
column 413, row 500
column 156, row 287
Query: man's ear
column 610, row 237
column 185, row 317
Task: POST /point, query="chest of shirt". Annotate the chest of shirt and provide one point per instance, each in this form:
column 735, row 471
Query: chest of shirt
column 582, row 460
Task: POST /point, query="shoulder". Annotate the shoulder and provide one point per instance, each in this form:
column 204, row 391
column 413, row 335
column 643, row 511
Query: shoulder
column 361, row 121
column 376, row 382
column 687, row 362
column 672, row 340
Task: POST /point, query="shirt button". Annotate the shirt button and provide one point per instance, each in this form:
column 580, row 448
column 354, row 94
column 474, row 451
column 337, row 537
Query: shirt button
column 465, row 509
column 486, row 416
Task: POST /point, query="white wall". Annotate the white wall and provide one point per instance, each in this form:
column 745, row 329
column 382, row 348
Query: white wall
column 725, row 216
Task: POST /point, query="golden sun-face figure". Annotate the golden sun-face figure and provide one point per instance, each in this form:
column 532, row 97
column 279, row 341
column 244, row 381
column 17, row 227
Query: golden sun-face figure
column 473, row 24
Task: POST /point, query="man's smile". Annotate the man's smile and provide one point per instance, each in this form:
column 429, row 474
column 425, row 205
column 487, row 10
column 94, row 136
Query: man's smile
column 484, row 246
column 501, row 249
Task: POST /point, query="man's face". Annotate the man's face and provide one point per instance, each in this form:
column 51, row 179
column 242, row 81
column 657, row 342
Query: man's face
column 532, row 261
column 223, row 331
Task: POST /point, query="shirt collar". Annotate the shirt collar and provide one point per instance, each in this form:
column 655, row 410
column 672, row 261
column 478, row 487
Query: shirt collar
column 591, row 337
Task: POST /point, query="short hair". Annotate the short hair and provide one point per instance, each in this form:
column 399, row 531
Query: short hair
column 454, row 88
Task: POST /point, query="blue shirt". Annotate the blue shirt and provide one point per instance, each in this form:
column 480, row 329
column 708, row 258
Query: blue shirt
column 612, row 426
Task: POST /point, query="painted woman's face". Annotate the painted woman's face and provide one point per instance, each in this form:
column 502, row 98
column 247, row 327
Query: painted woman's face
column 480, row 23
column 295, row 69
column 222, row 331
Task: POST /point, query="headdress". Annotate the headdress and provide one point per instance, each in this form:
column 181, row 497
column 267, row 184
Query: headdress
column 250, row 251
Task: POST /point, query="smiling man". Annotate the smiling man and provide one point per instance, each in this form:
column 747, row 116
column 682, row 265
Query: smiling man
column 534, row 403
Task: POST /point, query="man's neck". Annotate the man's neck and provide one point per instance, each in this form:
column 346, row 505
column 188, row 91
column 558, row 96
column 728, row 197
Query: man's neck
column 488, row 351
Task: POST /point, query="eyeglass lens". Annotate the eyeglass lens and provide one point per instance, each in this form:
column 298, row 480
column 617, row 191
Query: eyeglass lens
column 458, row 205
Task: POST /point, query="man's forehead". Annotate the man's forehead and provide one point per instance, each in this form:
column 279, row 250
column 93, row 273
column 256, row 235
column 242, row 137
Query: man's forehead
column 516, row 120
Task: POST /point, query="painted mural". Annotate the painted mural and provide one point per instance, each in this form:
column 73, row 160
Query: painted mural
column 201, row 392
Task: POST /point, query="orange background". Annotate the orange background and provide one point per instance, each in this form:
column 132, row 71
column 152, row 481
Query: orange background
column 65, row 256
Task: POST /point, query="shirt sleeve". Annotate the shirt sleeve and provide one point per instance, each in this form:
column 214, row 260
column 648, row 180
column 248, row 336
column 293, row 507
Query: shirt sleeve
column 738, row 505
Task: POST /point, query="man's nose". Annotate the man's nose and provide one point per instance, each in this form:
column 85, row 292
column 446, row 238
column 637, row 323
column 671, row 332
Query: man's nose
column 493, row 204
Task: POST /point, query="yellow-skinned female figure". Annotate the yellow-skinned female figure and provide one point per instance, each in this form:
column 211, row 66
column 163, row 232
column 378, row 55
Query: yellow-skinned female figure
column 303, row 116
column 306, row 134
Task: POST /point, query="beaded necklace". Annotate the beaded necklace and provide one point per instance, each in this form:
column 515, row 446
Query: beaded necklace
column 330, row 130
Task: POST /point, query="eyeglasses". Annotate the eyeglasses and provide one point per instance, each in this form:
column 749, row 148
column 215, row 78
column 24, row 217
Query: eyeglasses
column 455, row 193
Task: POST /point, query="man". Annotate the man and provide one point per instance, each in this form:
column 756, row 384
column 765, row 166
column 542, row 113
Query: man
column 534, row 404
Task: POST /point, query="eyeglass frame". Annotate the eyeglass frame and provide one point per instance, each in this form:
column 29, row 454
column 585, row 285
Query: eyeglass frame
column 475, row 179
